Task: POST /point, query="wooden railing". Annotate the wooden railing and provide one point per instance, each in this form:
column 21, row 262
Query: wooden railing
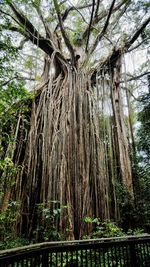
column 107, row 252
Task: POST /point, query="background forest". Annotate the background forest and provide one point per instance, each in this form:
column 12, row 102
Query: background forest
column 74, row 119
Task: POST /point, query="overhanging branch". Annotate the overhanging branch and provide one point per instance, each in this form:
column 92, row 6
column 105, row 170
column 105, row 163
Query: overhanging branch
column 115, row 53
column 97, row 8
column 133, row 38
column 23, row 20
column 14, row 28
column 47, row 29
column 68, row 10
column 64, row 34
column 138, row 45
column 8, row 15
column 19, row 78
column 101, row 34
column 102, row 15
column 91, row 19
column 135, row 98
column 134, row 78
column 35, row 37
column 22, row 43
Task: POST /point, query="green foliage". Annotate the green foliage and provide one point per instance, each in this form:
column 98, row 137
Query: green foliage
column 29, row 63
column 13, row 242
column 47, row 218
column 77, row 36
column 126, row 207
column 109, row 229
column 77, row 39
column 8, row 54
column 36, row 3
column 103, row 229
column 9, row 171
column 45, row 231
column 136, row 231
column 10, row 94
column 7, row 219
column 142, row 165
column 11, row 89
column 56, row 5
column 143, row 143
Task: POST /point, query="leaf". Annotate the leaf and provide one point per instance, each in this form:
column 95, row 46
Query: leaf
column 88, row 219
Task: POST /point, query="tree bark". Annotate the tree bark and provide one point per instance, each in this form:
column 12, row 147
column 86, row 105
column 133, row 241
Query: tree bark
column 121, row 132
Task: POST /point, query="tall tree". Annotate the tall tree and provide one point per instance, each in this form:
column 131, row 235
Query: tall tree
column 73, row 149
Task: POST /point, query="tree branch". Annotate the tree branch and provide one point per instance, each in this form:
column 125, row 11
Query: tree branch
column 133, row 38
column 121, row 12
column 115, row 53
column 91, row 19
column 11, row 27
column 19, row 78
column 134, row 78
column 25, row 22
column 22, row 42
column 47, row 29
column 97, row 8
column 135, row 98
column 101, row 34
column 15, row 28
column 102, row 15
column 78, row 10
column 136, row 46
column 35, row 37
column 8, row 15
column 68, row 10
column 64, row 34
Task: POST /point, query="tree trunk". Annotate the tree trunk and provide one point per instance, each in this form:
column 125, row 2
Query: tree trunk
column 65, row 156
column 122, row 142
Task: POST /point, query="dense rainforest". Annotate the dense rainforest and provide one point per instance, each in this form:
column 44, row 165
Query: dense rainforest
column 74, row 119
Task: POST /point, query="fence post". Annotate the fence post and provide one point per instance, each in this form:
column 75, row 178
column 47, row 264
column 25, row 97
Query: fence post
column 133, row 256
column 45, row 259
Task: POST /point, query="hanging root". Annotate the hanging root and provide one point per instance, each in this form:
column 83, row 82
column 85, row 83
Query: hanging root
column 64, row 155
column 69, row 156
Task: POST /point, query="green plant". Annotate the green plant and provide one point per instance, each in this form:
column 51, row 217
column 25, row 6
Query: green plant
column 103, row 229
column 136, row 231
column 48, row 219
column 13, row 242
column 142, row 165
column 8, row 218
column 126, row 207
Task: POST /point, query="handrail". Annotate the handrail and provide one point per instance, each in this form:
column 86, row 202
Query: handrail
column 33, row 247
column 128, row 251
